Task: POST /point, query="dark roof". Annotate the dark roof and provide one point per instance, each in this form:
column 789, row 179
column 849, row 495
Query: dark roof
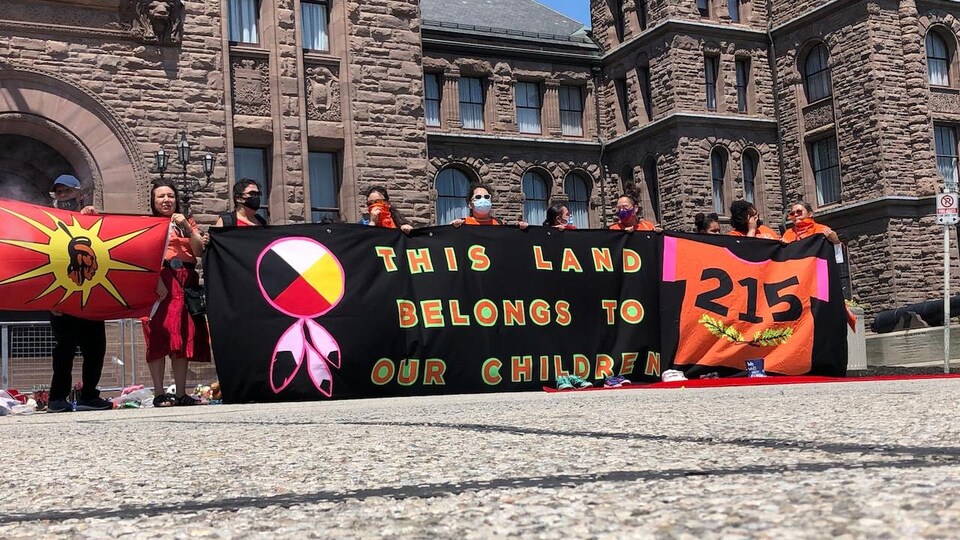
column 526, row 16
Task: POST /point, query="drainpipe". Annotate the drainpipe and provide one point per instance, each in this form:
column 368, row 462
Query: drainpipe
column 772, row 53
column 597, row 80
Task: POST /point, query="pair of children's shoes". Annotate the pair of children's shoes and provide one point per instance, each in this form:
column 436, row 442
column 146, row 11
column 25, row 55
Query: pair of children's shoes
column 570, row 382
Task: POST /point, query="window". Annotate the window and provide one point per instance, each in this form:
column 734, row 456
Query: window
column 703, row 6
column 252, row 163
column 733, row 9
column 618, row 20
column 644, row 76
column 528, row 107
column 626, row 176
column 825, row 163
column 536, row 192
column 471, row 103
column 945, row 138
column 750, row 163
column 243, row 16
column 620, row 85
column 743, row 83
column 571, row 110
column 718, row 169
column 431, row 84
column 577, row 189
column 642, row 13
column 816, row 74
column 314, row 15
column 938, row 60
column 711, row 68
column 452, row 186
column 324, row 187
column 653, row 187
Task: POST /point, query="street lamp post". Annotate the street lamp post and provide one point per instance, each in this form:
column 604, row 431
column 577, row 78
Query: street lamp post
column 187, row 186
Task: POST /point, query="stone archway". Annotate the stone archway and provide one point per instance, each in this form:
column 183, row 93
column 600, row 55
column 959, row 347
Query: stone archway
column 82, row 129
column 27, row 167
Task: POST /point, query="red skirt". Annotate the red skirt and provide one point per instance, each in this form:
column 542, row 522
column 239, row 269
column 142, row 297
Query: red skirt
column 173, row 331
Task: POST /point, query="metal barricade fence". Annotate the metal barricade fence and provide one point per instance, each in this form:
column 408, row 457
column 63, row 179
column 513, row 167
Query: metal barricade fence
column 26, row 348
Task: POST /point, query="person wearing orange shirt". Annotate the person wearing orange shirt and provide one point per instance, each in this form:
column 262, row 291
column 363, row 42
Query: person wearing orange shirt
column 480, row 201
column 173, row 331
column 745, row 221
column 628, row 214
column 801, row 213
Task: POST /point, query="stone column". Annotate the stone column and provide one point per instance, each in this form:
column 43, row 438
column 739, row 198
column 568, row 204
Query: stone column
column 589, row 110
column 450, row 100
column 550, row 110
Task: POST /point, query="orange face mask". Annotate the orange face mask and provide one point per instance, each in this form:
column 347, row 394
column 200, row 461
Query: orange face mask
column 385, row 218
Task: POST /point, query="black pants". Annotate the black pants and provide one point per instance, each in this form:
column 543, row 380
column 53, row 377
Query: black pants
column 91, row 336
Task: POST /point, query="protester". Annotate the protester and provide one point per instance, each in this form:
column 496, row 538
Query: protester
column 801, row 213
column 746, row 221
column 480, row 201
column 628, row 213
column 707, row 223
column 558, row 217
column 246, row 202
column 173, row 331
column 381, row 213
column 70, row 331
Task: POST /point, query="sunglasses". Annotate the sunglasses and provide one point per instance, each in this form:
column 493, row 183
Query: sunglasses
column 795, row 213
column 478, row 197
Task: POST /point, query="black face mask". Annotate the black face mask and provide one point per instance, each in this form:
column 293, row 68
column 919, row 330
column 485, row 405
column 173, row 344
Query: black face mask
column 73, row 205
column 252, row 203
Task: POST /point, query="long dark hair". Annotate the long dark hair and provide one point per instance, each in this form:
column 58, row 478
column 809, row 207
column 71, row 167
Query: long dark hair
column 176, row 196
column 555, row 211
column 740, row 215
column 398, row 217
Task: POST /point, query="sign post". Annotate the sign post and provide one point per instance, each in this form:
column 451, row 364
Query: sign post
column 947, row 215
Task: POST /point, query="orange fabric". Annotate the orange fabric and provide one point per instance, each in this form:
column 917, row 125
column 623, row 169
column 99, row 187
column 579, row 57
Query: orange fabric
column 762, row 232
column 178, row 247
column 805, row 229
column 470, row 220
column 700, row 346
column 642, row 225
column 386, row 218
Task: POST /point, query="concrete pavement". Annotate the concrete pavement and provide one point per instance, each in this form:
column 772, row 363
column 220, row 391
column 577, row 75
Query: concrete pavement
column 849, row 460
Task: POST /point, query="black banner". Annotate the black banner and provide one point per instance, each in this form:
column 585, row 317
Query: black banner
column 304, row 312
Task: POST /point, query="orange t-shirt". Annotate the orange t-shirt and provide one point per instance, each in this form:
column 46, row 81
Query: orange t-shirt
column 470, row 220
column 642, row 225
column 799, row 232
column 762, row 232
column 178, row 247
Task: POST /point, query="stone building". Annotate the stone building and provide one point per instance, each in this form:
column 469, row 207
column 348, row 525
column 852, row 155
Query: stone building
column 697, row 102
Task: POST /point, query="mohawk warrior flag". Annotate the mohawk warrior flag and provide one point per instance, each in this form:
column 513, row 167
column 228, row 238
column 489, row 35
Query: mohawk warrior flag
column 94, row 267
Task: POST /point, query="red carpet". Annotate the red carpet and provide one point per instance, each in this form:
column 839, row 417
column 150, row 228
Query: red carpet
column 759, row 381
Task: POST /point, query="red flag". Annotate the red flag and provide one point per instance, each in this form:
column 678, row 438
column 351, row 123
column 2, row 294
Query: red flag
column 94, row 267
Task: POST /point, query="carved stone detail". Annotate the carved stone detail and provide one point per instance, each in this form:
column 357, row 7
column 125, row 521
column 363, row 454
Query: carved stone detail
column 818, row 116
column 323, row 93
column 251, row 86
column 157, row 22
column 943, row 102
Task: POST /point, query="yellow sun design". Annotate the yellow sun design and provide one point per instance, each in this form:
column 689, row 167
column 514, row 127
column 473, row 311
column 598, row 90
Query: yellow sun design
column 60, row 237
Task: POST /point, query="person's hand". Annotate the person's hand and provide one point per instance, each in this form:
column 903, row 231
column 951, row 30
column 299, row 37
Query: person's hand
column 560, row 226
column 752, row 225
column 630, row 228
column 457, row 223
column 375, row 215
column 658, row 229
column 832, row 236
column 406, row 228
column 56, row 312
column 205, row 239
column 162, row 290
column 522, row 224
column 89, row 211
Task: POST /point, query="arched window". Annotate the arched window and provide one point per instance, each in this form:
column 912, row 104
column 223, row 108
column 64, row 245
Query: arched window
column 938, row 59
column 626, row 176
column 577, row 189
column 718, row 169
column 816, row 73
column 751, row 162
column 452, row 186
column 651, row 211
column 536, row 192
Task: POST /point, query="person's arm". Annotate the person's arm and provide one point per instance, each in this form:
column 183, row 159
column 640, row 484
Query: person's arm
column 191, row 231
column 457, row 223
column 752, row 226
column 832, row 236
column 89, row 211
column 522, row 224
column 219, row 222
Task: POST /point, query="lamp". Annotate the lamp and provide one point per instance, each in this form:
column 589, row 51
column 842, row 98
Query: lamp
column 183, row 150
column 186, row 185
column 161, row 162
column 208, row 165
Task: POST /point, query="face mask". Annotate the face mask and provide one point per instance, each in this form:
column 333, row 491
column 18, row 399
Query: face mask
column 482, row 207
column 73, row 205
column 624, row 214
column 252, row 203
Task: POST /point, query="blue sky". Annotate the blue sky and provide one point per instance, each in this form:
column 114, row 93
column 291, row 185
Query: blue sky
column 575, row 9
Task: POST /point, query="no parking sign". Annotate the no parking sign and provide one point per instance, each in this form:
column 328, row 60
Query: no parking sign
column 947, row 209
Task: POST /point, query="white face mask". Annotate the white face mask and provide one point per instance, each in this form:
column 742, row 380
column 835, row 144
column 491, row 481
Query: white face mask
column 482, row 207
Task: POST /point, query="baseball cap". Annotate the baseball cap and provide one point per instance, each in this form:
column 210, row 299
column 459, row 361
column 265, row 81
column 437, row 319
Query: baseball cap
column 67, row 180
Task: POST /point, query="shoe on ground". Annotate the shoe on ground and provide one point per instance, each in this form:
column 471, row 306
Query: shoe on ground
column 563, row 383
column 94, row 404
column 616, row 381
column 59, row 405
column 671, row 375
column 580, row 382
